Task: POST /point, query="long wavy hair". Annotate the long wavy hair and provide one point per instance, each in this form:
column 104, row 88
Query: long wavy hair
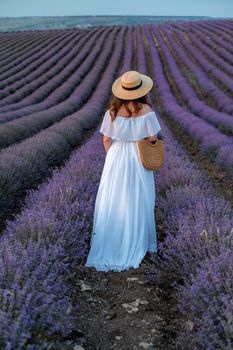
column 115, row 103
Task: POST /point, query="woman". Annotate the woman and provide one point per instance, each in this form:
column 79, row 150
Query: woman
column 124, row 225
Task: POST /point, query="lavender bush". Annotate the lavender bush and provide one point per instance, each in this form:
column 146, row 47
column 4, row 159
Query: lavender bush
column 207, row 304
column 40, row 249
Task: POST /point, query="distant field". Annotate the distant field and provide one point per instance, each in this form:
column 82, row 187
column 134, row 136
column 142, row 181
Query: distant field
column 54, row 90
column 42, row 23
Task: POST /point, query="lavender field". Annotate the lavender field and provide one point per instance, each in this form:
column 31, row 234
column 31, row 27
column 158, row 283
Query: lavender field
column 54, row 89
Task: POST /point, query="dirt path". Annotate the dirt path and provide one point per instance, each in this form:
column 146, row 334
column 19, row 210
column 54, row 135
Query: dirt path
column 120, row 310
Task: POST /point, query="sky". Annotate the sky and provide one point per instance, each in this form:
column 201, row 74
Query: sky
column 213, row 8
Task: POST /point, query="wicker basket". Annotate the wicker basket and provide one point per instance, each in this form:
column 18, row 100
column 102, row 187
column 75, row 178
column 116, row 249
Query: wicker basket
column 151, row 153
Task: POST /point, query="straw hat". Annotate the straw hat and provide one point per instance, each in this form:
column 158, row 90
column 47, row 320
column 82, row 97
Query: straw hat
column 132, row 85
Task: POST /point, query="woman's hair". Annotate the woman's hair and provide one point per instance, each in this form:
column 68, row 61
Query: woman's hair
column 115, row 103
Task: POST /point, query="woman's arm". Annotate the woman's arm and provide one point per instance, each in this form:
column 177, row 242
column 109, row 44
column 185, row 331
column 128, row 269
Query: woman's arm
column 107, row 142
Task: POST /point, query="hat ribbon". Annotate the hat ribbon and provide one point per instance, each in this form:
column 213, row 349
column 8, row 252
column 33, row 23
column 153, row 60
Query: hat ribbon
column 132, row 88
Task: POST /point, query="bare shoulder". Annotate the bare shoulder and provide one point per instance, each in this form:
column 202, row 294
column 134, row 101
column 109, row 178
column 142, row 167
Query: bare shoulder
column 146, row 108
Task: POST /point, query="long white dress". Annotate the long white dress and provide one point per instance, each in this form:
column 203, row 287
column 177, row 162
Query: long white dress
column 124, row 222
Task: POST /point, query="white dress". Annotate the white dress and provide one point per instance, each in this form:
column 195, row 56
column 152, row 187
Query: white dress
column 124, row 221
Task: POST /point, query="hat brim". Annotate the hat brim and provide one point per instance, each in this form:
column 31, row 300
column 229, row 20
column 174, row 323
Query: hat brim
column 120, row 92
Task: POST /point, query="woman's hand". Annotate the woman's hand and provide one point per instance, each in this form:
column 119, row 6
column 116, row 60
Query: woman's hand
column 107, row 142
column 153, row 138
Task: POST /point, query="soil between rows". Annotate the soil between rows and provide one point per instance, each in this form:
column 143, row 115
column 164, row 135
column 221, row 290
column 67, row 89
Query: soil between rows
column 107, row 324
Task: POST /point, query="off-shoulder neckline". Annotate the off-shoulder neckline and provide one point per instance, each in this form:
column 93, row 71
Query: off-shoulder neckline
column 143, row 115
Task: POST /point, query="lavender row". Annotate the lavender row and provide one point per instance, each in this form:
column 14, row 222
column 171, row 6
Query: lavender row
column 24, row 41
column 227, row 23
column 25, row 51
column 198, row 230
column 55, row 224
column 19, row 41
column 30, row 125
column 209, row 52
column 207, row 41
column 220, row 73
column 41, row 249
column 222, row 121
column 23, row 166
column 225, row 38
column 10, row 39
column 53, row 87
column 211, row 142
column 223, row 101
column 220, row 27
column 227, row 31
column 207, row 66
column 22, row 49
column 21, row 37
column 220, row 47
column 128, row 53
column 32, row 63
column 55, row 82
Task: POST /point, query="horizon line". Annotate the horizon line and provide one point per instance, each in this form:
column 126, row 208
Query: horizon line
column 112, row 16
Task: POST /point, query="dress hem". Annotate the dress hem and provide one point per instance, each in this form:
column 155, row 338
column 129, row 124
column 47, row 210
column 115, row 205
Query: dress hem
column 115, row 268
